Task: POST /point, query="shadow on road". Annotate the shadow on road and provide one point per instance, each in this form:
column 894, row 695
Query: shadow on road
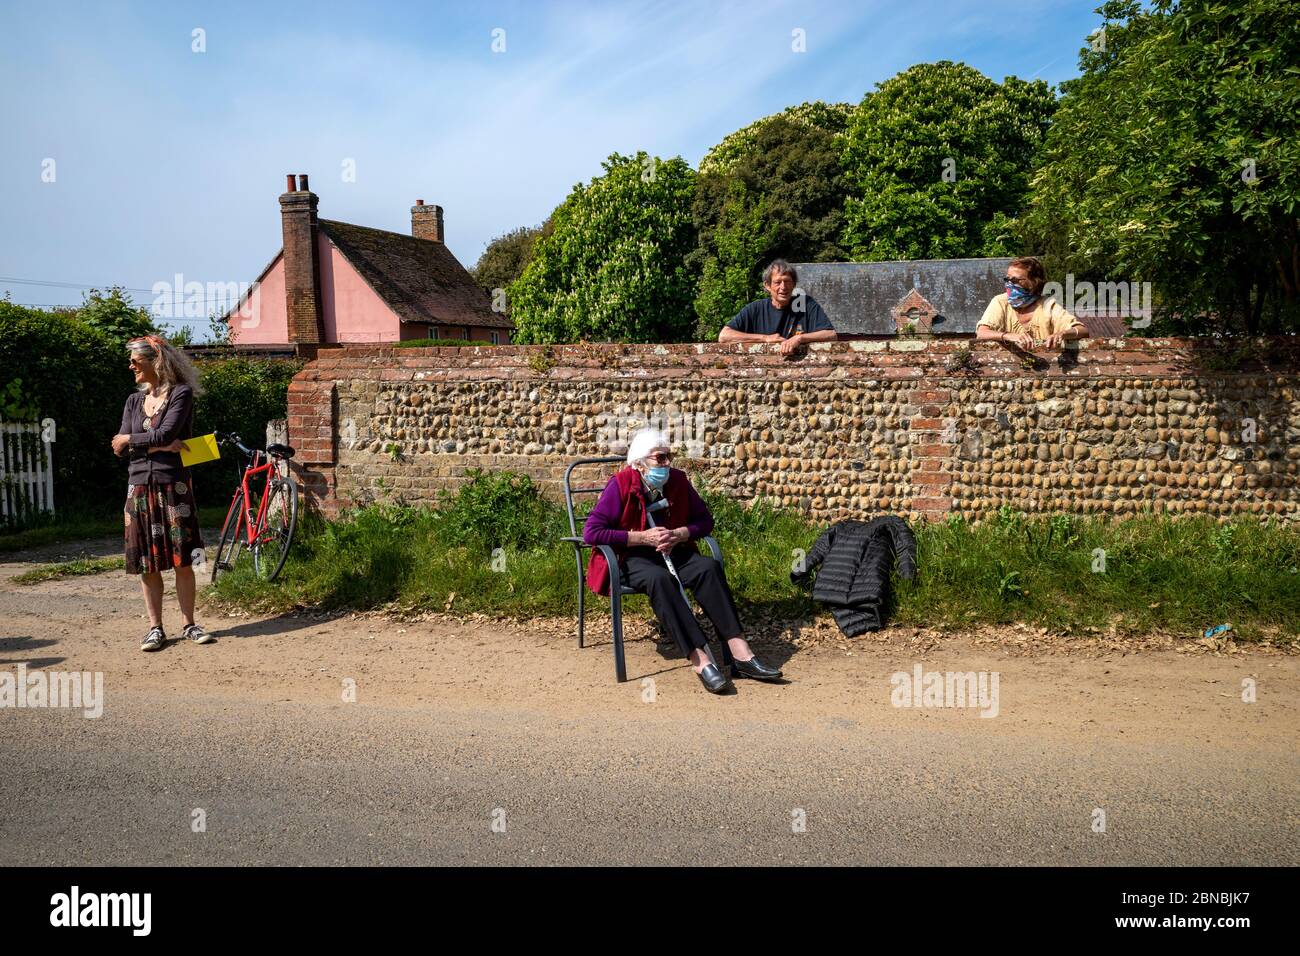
column 11, row 645
column 280, row 624
column 59, row 552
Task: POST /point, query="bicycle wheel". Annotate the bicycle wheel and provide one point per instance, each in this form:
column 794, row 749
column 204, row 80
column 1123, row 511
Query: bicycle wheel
column 272, row 546
column 231, row 544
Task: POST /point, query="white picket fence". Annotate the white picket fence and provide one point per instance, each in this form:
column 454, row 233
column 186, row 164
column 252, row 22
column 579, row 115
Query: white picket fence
column 26, row 469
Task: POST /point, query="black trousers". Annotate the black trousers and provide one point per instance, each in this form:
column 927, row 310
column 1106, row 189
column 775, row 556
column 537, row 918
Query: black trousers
column 647, row 572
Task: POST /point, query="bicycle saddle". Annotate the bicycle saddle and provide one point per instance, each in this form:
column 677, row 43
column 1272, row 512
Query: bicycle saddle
column 282, row 451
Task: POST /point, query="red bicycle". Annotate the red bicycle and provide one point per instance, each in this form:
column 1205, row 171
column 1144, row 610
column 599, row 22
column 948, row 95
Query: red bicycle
column 268, row 532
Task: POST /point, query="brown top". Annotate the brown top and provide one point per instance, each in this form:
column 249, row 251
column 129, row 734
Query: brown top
column 175, row 419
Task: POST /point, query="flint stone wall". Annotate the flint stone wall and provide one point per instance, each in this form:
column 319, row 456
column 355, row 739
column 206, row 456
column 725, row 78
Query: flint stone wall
column 921, row 428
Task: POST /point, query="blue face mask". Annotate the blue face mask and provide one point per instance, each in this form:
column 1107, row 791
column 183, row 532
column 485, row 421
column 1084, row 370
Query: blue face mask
column 657, row 476
column 1018, row 297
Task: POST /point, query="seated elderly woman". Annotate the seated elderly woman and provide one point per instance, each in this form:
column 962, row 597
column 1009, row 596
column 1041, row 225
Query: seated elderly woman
column 619, row 520
column 1021, row 315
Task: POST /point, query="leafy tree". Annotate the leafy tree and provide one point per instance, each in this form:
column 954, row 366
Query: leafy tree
column 783, row 197
column 937, row 160
column 506, row 256
column 1175, row 158
column 113, row 313
column 614, row 267
column 181, row 335
column 832, row 118
column 221, row 330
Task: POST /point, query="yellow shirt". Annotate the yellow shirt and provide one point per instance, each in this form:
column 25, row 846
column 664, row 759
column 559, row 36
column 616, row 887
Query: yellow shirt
column 1048, row 318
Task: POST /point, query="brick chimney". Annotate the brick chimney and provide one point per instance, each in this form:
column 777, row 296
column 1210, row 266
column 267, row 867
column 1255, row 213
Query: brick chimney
column 302, row 296
column 426, row 221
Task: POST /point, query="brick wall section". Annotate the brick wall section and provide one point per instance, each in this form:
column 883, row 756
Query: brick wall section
column 921, row 428
column 312, row 424
column 931, row 437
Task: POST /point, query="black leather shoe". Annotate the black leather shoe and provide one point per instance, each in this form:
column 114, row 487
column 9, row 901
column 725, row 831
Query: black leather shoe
column 713, row 679
column 756, row 669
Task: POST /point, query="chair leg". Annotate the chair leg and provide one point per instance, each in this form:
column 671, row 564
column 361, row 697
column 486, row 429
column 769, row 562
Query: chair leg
column 582, row 597
column 582, row 607
column 616, row 613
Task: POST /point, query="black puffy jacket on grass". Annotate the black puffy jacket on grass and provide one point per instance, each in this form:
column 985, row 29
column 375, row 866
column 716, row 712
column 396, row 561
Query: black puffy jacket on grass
column 858, row 557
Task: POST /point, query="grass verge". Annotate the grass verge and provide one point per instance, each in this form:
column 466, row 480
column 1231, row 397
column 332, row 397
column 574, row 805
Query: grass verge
column 82, row 525
column 1067, row 573
column 70, row 569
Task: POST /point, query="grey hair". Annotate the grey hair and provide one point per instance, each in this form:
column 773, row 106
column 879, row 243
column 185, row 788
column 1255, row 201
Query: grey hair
column 644, row 442
column 781, row 266
column 172, row 366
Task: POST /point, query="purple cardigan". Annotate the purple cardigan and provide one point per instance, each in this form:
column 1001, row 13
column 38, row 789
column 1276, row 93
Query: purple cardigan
column 604, row 524
column 174, row 420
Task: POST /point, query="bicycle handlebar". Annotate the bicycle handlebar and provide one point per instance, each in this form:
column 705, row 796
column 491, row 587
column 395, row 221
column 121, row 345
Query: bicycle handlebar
column 230, row 438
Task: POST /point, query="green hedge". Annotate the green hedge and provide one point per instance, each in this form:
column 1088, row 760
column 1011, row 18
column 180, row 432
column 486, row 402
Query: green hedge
column 429, row 343
column 239, row 395
column 78, row 376
column 54, row 365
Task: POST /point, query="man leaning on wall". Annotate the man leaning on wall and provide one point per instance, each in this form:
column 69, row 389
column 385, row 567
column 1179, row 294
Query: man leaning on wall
column 785, row 316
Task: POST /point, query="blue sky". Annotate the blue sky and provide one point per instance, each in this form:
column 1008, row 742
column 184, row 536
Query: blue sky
column 170, row 161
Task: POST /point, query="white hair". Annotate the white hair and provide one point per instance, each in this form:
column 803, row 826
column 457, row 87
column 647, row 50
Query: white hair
column 644, row 442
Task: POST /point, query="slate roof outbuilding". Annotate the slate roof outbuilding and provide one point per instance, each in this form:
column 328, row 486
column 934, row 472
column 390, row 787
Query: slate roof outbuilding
column 859, row 296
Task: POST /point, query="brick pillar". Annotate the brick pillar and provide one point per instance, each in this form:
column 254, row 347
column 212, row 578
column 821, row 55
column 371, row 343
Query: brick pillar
column 302, row 296
column 426, row 222
column 933, row 445
column 312, row 429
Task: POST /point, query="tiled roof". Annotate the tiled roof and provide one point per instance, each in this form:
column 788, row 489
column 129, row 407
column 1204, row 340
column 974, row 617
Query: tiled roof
column 420, row 280
column 1103, row 325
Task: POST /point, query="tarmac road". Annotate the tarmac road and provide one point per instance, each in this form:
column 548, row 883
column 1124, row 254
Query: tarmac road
column 482, row 744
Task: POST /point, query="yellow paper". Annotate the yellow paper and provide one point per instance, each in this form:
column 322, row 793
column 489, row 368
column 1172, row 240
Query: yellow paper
column 199, row 449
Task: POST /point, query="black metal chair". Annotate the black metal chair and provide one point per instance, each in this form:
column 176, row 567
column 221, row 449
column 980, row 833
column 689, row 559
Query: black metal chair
column 618, row 589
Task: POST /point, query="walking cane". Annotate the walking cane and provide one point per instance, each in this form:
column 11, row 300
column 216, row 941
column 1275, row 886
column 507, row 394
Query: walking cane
column 661, row 504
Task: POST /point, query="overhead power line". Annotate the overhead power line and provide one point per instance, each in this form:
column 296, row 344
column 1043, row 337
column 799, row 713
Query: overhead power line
column 13, row 280
column 64, row 305
column 208, row 296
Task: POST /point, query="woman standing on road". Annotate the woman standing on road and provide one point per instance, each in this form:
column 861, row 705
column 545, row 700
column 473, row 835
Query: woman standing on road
column 162, row 517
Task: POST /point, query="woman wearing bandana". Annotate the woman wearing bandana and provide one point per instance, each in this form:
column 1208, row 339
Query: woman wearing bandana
column 619, row 520
column 161, row 515
column 1022, row 317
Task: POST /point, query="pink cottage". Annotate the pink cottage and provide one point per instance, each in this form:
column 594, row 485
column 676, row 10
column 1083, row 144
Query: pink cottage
column 336, row 282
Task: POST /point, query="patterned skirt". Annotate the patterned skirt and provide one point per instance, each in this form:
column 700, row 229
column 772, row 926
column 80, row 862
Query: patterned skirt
column 162, row 527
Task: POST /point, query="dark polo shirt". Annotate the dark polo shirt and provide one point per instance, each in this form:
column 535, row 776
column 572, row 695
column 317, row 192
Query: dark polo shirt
column 763, row 318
